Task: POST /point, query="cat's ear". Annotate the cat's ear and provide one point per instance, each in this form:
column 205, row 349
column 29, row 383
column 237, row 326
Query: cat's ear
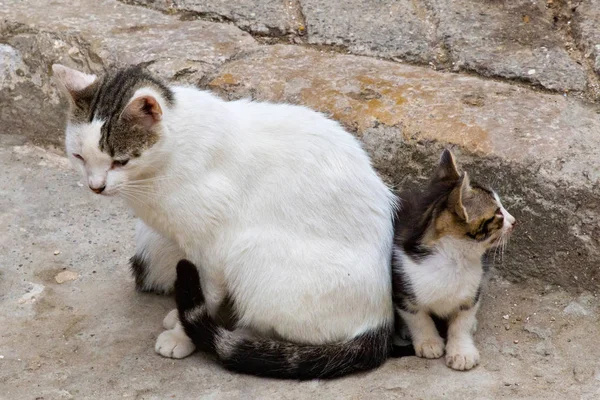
column 72, row 82
column 143, row 109
column 458, row 196
column 446, row 169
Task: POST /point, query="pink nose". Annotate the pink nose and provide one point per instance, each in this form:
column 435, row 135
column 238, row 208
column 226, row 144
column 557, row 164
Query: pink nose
column 98, row 190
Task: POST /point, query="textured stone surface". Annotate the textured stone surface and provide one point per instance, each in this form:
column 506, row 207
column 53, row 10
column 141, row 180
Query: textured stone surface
column 510, row 39
column 516, row 40
column 401, row 30
column 25, row 106
column 115, row 34
column 93, row 337
column 542, row 159
column 262, row 17
column 587, row 27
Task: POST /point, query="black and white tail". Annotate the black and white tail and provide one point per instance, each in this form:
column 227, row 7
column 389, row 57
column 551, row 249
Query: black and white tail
column 241, row 351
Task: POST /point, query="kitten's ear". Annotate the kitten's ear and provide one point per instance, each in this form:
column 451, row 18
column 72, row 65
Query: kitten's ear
column 70, row 81
column 144, row 110
column 446, row 169
column 458, row 196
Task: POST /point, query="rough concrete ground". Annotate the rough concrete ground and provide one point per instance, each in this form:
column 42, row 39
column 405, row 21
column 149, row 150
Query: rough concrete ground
column 92, row 336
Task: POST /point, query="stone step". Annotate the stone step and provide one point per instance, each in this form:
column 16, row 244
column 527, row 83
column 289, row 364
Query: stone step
column 519, row 40
column 540, row 151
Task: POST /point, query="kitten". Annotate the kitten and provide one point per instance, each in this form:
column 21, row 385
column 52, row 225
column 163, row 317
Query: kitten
column 277, row 205
column 441, row 235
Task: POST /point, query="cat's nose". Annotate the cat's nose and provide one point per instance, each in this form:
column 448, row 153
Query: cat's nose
column 98, row 189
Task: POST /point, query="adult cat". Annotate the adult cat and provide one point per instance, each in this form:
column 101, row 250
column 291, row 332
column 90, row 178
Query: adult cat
column 277, row 205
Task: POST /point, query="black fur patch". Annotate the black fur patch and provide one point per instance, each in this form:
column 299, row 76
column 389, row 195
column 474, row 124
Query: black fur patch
column 416, row 212
column 402, row 351
column 250, row 354
column 402, row 291
column 139, row 270
column 202, row 329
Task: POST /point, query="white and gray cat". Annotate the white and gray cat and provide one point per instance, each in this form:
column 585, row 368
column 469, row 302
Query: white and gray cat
column 441, row 235
column 277, row 206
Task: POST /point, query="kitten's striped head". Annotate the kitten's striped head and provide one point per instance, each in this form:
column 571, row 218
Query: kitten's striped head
column 113, row 122
column 453, row 207
column 471, row 211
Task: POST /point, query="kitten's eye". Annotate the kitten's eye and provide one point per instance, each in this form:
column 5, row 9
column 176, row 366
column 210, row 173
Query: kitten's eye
column 119, row 163
column 78, row 156
column 499, row 212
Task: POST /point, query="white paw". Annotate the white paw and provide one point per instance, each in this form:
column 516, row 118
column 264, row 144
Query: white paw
column 174, row 343
column 171, row 319
column 432, row 347
column 462, row 358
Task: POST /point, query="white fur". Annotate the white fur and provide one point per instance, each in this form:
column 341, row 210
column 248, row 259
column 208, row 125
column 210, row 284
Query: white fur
column 461, row 353
column 160, row 255
column 445, row 280
column 174, row 343
column 278, row 207
column 171, row 320
column 424, row 335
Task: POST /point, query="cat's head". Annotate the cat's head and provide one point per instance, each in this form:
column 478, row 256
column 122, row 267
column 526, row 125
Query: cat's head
column 113, row 124
column 454, row 207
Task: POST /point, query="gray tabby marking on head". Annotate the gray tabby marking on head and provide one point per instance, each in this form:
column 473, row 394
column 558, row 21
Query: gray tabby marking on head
column 106, row 100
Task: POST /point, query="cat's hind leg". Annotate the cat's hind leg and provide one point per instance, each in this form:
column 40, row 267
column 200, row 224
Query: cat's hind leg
column 155, row 261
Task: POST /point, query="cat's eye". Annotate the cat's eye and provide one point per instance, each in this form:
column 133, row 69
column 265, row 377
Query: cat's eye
column 499, row 212
column 78, row 156
column 119, row 163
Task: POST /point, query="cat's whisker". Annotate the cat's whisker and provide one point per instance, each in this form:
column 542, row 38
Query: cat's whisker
column 151, row 179
column 146, row 194
column 133, row 197
column 141, row 190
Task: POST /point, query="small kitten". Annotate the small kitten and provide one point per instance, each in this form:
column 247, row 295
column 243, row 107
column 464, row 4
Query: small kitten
column 441, row 235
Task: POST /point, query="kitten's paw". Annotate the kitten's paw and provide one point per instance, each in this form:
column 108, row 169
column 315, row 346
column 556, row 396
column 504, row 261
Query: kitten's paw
column 429, row 348
column 174, row 343
column 171, row 319
column 462, row 358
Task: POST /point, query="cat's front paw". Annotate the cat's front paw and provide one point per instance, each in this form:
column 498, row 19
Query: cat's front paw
column 429, row 348
column 462, row 358
column 174, row 343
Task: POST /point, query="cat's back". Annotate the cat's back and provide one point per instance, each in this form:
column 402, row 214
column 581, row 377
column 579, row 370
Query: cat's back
column 293, row 126
column 286, row 158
